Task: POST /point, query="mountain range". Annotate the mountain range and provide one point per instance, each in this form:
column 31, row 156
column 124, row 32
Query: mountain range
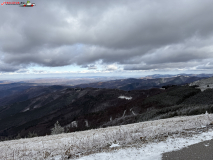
column 138, row 83
column 29, row 107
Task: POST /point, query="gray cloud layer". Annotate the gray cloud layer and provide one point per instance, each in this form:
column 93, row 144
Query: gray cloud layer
column 139, row 35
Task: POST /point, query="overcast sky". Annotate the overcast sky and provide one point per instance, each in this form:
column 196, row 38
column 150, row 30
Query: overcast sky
column 101, row 37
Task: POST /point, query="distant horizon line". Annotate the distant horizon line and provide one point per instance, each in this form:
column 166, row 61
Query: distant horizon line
column 96, row 76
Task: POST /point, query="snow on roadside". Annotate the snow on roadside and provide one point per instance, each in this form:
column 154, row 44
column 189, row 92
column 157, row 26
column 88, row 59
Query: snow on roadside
column 92, row 141
column 152, row 150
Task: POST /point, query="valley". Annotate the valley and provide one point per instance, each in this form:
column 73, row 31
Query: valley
column 35, row 108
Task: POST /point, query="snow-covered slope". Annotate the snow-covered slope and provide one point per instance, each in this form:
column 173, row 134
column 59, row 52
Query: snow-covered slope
column 204, row 83
column 151, row 151
column 72, row 145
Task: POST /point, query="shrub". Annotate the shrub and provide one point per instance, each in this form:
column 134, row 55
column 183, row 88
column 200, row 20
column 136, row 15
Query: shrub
column 31, row 135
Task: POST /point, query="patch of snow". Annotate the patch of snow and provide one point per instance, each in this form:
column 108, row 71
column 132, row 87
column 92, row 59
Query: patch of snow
column 72, row 124
column 133, row 113
column 125, row 97
column 206, row 145
column 27, row 109
column 86, row 123
column 114, row 145
column 124, row 113
column 36, row 106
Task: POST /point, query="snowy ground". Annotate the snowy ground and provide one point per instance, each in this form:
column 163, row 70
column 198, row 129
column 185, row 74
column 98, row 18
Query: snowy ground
column 151, row 135
column 151, row 151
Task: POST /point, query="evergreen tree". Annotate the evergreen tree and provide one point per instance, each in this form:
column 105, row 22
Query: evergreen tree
column 57, row 129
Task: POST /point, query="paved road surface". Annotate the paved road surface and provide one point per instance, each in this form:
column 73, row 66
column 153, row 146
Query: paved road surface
column 199, row 151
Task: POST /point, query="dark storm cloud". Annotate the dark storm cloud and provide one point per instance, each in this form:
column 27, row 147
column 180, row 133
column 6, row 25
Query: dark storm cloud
column 8, row 68
column 22, row 71
column 158, row 66
column 141, row 35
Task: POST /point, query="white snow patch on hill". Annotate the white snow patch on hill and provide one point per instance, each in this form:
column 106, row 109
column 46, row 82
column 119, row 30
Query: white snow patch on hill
column 93, row 141
column 125, row 97
column 203, row 84
column 27, row 109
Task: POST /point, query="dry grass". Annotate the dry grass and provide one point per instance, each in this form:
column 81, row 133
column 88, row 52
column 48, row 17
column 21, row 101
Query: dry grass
column 73, row 145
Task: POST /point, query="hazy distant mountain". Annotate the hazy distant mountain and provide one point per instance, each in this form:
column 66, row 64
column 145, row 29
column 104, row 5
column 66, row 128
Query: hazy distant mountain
column 68, row 81
column 25, row 92
column 183, row 74
column 137, row 84
column 13, row 88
